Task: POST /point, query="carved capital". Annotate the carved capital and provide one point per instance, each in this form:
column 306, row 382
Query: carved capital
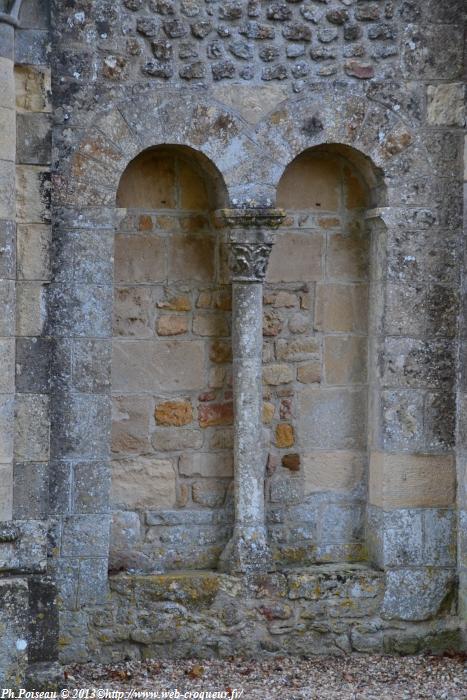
column 250, row 240
column 249, row 258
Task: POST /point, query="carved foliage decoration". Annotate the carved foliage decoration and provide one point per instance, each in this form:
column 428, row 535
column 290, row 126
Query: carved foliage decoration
column 248, row 261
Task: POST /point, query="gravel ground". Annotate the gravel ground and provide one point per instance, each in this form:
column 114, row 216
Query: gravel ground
column 350, row 677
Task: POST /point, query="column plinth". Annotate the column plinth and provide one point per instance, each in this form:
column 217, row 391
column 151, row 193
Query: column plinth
column 250, row 241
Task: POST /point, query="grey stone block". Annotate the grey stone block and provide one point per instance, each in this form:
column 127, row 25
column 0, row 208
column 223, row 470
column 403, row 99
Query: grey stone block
column 28, row 551
column 439, row 537
column 416, row 594
column 80, row 426
column 85, row 536
column 7, row 249
column 32, row 427
column 91, row 487
column 403, row 538
column 73, row 637
column 14, row 637
column 30, row 490
column 340, row 523
column 92, row 581
column 82, row 310
column 33, row 359
column 33, row 138
column 35, row 14
column 66, row 575
column 32, row 46
column 43, row 620
column 59, row 487
column 92, row 365
column 7, row 41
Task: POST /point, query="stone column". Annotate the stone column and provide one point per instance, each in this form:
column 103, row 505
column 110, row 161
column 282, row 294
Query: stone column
column 250, row 243
column 7, row 260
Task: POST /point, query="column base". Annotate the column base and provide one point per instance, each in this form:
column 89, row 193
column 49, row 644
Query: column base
column 246, row 552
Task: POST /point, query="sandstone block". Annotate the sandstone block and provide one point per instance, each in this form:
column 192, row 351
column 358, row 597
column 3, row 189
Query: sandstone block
column 347, row 256
column 176, row 440
column 339, row 470
column 215, row 414
column 130, row 424
column 268, row 411
column 411, row 480
column 332, row 418
column 139, row 258
column 295, row 257
column 175, row 413
column 191, row 257
column 170, row 365
column 345, row 359
column 133, row 311
column 309, row 372
column 299, row 323
column 446, row 104
column 272, row 323
column 143, row 482
column 284, row 435
column 278, row 374
column 208, row 493
column 297, row 349
column 33, row 88
column 206, row 464
column 220, row 352
column 222, row 439
column 85, row 536
column 210, row 324
column 171, row 324
column 175, row 303
column 341, row 308
column 33, row 251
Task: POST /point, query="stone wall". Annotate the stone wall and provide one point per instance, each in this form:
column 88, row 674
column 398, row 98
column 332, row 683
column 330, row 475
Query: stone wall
column 247, row 87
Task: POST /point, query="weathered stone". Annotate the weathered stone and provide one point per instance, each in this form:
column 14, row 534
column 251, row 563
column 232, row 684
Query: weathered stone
column 130, row 424
column 277, row 374
column 332, row 418
column 208, row 493
column 215, row 414
column 284, row 435
column 208, row 464
column 160, row 366
column 172, row 325
column 413, row 594
column 177, row 440
column 174, row 413
column 446, row 104
column 340, row 470
column 422, row 480
column 143, row 482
